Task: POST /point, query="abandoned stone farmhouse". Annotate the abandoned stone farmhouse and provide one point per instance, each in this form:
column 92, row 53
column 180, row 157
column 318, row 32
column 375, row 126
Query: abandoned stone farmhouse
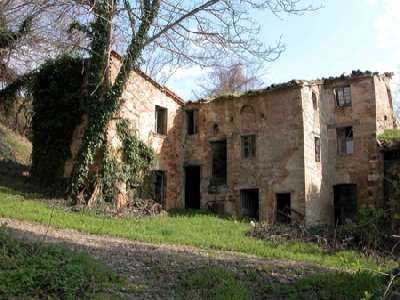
column 304, row 149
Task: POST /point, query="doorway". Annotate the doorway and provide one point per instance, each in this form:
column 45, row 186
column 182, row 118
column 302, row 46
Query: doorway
column 192, row 187
column 160, row 184
column 345, row 202
column 283, row 208
column 249, row 200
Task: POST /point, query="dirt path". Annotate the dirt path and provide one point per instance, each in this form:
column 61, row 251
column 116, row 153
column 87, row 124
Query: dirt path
column 160, row 268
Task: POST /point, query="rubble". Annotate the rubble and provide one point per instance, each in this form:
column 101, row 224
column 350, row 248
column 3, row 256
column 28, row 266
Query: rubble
column 137, row 208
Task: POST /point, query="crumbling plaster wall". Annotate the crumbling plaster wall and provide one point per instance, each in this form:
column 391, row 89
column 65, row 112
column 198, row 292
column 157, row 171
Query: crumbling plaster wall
column 139, row 98
column 318, row 206
column 361, row 167
column 276, row 119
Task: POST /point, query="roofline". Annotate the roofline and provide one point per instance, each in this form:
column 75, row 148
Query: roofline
column 301, row 83
column 146, row 77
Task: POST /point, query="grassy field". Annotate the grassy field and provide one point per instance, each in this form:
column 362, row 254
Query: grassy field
column 182, row 228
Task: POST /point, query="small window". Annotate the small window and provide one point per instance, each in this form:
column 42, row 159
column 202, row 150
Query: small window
column 345, row 140
column 343, row 96
column 248, row 146
column 317, row 145
column 315, row 101
column 161, row 120
column 192, row 121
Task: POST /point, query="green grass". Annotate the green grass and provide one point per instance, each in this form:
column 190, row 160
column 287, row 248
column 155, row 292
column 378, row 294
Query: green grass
column 199, row 230
column 34, row 271
column 327, row 286
column 390, row 136
column 213, row 283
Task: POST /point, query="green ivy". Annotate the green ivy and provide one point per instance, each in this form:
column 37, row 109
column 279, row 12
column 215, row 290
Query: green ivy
column 104, row 99
column 57, row 90
column 132, row 168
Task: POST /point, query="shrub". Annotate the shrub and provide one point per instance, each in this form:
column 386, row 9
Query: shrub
column 368, row 231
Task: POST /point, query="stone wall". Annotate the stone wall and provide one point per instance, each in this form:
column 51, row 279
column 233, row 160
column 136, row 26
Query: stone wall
column 286, row 119
column 276, row 119
column 286, row 122
column 140, row 97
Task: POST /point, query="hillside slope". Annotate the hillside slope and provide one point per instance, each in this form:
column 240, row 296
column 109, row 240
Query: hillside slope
column 14, row 147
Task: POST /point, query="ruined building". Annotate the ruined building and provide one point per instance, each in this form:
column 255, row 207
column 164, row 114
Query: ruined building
column 307, row 149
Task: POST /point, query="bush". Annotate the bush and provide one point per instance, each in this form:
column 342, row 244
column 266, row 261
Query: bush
column 368, row 230
column 36, row 271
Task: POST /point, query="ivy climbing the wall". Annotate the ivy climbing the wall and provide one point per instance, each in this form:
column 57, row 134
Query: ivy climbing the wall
column 57, row 92
column 130, row 164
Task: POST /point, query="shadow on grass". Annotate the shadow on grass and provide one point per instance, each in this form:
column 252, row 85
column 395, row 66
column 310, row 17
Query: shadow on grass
column 15, row 180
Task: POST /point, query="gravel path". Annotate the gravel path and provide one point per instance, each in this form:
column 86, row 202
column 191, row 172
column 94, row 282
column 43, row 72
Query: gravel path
column 160, row 268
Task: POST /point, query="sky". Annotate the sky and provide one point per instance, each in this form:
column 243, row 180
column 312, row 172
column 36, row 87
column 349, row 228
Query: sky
column 342, row 36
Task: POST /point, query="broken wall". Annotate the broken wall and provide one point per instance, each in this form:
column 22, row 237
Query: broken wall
column 275, row 117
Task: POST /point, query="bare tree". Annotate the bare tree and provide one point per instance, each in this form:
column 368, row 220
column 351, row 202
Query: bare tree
column 32, row 31
column 190, row 32
column 235, row 78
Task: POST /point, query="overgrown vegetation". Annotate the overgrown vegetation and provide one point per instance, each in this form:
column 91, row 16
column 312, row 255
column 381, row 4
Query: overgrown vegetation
column 57, row 111
column 389, row 136
column 51, row 272
column 130, row 166
column 213, row 283
column 369, row 231
column 182, row 228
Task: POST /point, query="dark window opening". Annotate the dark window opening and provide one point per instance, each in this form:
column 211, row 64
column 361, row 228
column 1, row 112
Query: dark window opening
column 249, row 200
column 345, row 202
column 219, row 162
column 317, row 145
column 315, row 101
column 345, row 140
column 248, row 146
column 192, row 187
column 192, row 121
column 161, row 120
column 343, row 96
column 283, row 208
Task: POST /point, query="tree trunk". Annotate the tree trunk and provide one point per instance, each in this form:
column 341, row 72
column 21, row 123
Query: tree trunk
column 120, row 195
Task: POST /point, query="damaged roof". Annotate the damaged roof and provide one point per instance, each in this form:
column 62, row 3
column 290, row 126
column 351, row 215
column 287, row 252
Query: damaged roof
column 299, row 83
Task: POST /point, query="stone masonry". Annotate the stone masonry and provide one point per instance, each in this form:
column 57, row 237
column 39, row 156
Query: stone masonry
column 308, row 142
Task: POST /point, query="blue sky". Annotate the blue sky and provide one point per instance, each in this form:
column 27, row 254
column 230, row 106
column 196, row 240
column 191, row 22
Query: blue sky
column 344, row 35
